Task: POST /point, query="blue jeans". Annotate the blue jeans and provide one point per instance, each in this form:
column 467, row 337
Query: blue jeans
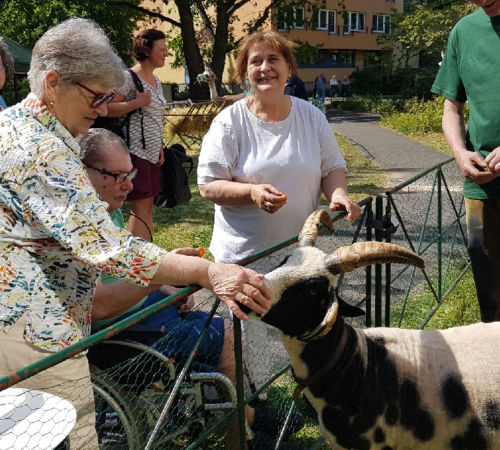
column 182, row 333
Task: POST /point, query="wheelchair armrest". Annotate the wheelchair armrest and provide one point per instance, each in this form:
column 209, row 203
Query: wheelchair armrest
column 143, row 331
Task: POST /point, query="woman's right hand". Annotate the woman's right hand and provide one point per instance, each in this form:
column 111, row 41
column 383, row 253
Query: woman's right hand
column 267, row 197
column 235, row 285
column 142, row 98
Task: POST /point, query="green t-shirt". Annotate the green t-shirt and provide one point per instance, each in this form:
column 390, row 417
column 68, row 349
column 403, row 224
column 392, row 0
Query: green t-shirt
column 470, row 72
column 117, row 218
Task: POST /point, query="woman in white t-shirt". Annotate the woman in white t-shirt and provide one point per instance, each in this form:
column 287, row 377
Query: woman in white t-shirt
column 266, row 158
column 145, row 127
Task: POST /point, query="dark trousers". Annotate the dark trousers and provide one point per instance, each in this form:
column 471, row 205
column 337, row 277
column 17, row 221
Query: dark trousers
column 483, row 231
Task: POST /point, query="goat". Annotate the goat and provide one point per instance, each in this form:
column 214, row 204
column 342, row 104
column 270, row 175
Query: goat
column 381, row 388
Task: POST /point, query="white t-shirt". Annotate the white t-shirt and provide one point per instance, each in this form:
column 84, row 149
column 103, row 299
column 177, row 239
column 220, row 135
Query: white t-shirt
column 152, row 120
column 293, row 155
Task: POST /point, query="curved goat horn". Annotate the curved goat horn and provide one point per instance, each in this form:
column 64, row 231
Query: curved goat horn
column 360, row 254
column 309, row 233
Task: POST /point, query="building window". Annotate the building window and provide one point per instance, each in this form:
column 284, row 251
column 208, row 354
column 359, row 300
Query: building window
column 355, row 22
column 291, row 19
column 326, row 20
column 330, row 58
column 381, row 23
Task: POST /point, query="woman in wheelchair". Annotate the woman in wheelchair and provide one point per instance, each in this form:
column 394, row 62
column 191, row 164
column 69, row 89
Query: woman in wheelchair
column 103, row 152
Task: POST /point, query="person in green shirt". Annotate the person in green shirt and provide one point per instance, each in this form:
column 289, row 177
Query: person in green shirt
column 110, row 170
column 470, row 72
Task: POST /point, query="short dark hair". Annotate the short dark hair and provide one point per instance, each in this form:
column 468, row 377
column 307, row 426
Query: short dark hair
column 144, row 41
column 94, row 143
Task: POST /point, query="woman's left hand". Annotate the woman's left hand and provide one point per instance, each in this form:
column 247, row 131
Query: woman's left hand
column 344, row 203
column 162, row 157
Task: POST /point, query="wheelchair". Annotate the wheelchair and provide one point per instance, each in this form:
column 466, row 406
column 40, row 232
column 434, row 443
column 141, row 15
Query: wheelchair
column 140, row 401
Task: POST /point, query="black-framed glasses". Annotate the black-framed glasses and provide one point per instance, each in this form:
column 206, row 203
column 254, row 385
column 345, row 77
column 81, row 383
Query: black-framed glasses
column 118, row 177
column 98, row 99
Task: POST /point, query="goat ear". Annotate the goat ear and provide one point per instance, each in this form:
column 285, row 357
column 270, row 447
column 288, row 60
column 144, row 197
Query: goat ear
column 347, row 310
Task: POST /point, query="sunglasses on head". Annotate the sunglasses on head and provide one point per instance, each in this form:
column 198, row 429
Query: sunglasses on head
column 119, row 177
column 98, row 99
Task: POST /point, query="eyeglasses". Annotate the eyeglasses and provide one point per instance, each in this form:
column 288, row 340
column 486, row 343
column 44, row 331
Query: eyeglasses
column 118, row 177
column 98, row 99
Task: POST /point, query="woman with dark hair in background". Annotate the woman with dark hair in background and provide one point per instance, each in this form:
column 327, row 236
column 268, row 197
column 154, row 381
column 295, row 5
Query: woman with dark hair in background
column 145, row 128
column 6, row 69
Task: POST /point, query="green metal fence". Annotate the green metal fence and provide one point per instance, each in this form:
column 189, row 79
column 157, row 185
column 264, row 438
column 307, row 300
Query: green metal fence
column 150, row 401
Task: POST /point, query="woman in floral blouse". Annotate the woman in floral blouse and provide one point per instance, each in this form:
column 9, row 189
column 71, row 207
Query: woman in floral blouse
column 56, row 236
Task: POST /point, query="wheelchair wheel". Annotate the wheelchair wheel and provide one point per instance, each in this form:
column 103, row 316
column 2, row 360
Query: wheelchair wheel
column 120, row 423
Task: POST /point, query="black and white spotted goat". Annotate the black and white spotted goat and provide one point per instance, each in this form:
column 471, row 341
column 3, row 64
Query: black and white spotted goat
column 382, row 388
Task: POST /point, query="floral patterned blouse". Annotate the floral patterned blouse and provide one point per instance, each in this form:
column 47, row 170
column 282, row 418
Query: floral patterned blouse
column 56, row 235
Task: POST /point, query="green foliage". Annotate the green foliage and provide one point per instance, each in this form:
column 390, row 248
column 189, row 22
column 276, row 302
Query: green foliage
column 306, row 52
column 9, row 93
column 423, row 29
column 419, row 117
column 174, row 47
column 406, row 82
column 34, row 17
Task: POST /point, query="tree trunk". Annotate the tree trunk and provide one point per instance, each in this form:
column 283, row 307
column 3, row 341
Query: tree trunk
column 192, row 54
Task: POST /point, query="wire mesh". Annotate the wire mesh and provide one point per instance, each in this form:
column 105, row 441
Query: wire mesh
column 140, row 385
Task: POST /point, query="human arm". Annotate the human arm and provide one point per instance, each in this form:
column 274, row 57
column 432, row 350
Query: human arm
column 119, row 106
column 233, row 193
column 334, row 186
column 470, row 163
column 231, row 283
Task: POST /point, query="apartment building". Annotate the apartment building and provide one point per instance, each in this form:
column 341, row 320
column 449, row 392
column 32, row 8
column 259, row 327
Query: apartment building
column 348, row 37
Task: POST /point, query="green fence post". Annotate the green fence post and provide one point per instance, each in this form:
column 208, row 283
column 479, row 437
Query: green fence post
column 387, row 307
column 439, row 234
column 368, row 269
column 378, row 267
column 240, row 395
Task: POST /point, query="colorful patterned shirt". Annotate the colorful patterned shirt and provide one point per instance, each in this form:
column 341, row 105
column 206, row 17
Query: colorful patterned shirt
column 56, row 235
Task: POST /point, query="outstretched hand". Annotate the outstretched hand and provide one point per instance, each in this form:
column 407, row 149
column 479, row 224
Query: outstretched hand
column 236, row 286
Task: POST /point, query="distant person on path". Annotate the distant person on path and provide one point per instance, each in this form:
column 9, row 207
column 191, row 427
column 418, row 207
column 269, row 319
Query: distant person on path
column 6, row 69
column 470, row 73
column 334, row 86
column 346, row 87
column 319, row 85
column 146, row 126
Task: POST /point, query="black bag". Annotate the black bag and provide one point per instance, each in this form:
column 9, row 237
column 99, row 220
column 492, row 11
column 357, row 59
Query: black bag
column 118, row 124
column 174, row 178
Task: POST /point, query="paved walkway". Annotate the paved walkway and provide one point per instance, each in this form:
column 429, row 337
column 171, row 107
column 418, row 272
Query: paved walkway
column 398, row 156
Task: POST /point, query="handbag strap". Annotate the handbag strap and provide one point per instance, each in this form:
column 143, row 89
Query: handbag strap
column 139, row 87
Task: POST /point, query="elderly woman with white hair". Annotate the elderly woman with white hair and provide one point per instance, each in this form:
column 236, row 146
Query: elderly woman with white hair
column 56, row 235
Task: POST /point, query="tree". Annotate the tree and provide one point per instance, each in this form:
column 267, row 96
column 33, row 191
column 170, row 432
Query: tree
column 423, row 30
column 26, row 20
column 205, row 30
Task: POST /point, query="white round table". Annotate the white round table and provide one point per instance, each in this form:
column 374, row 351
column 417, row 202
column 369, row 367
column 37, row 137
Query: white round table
column 32, row 419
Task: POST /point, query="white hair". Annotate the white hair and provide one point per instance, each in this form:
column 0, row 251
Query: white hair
column 78, row 50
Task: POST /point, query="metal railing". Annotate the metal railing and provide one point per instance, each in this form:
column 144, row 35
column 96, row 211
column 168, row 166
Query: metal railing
column 425, row 213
